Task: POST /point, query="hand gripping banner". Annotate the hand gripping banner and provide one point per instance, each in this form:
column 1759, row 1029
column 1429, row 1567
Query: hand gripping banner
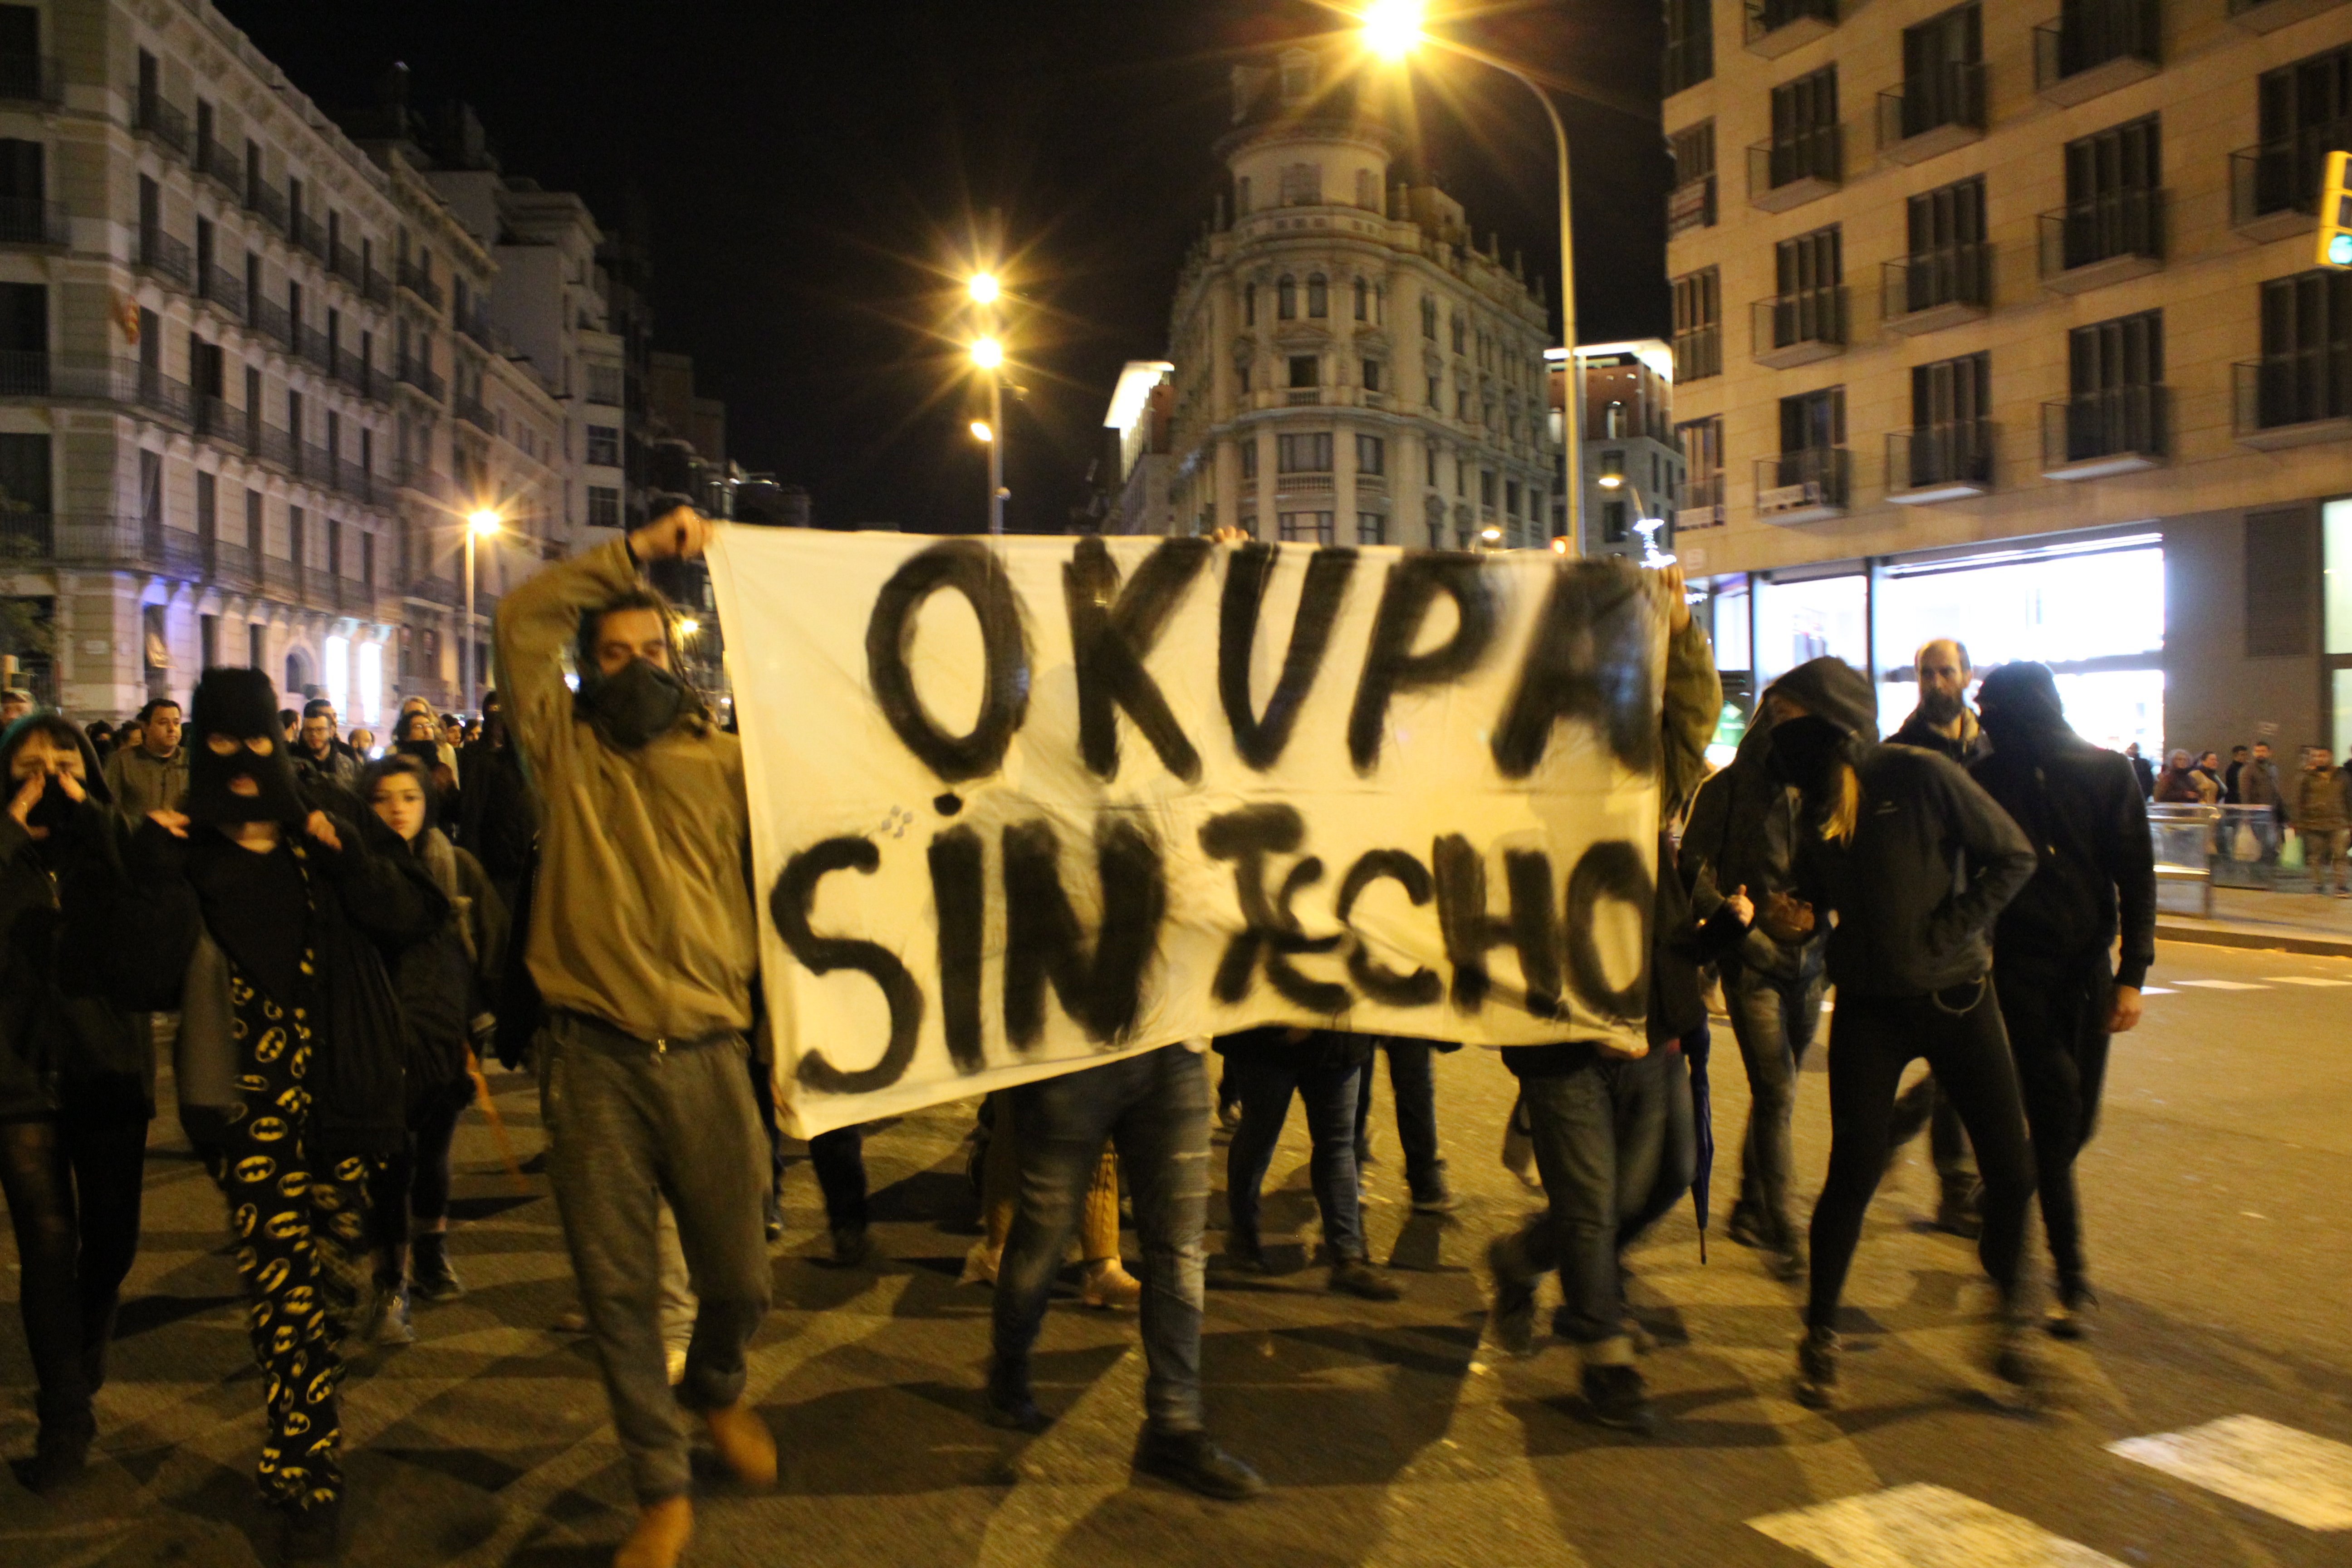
column 1021, row 805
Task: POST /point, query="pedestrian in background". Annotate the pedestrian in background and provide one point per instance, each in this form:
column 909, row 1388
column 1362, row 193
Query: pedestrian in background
column 1915, row 861
column 320, row 758
column 14, row 703
column 2181, row 783
column 2232, row 774
column 1412, row 1081
column 2141, row 768
column 2094, row 876
column 1942, row 721
column 100, row 735
column 2323, row 816
column 642, row 947
column 2209, row 764
column 151, row 775
column 77, row 1073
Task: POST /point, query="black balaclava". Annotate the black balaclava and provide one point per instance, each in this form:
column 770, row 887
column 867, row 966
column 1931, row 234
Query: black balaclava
column 242, row 705
column 1840, row 709
column 2019, row 706
column 56, row 809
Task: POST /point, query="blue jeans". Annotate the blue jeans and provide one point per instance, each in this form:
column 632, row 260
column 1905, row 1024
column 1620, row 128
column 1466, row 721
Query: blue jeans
column 1329, row 1096
column 1154, row 1108
column 1415, row 1087
column 1575, row 1117
column 1657, row 1141
column 1774, row 1021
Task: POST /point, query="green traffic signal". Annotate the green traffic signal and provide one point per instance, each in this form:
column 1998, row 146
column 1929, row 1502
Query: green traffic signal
column 2339, row 250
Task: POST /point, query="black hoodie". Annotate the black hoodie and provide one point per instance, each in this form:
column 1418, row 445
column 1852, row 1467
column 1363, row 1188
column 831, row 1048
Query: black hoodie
column 1931, row 861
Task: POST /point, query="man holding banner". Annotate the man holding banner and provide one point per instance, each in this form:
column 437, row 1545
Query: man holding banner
column 644, row 948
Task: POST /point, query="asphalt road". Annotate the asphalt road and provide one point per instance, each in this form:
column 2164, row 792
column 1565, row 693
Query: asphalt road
column 2215, row 1202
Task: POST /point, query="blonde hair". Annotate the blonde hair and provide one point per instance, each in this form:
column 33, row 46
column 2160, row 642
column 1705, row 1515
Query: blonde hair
column 1845, row 804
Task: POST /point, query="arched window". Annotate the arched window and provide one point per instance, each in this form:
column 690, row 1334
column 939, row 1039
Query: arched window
column 1286, row 294
column 1249, row 304
column 1318, row 296
column 1429, row 318
column 1363, row 300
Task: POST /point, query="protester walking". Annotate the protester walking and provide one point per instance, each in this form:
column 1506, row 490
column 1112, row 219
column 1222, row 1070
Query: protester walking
column 1915, row 861
column 152, row 775
column 2058, row 999
column 1743, row 833
column 290, row 1056
column 642, row 947
column 445, row 985
column 1579, row 1092
column 1320, row 1068
column 1414, row 1084
column 2322, row 815
column 77, row 1073
column 1105, row 1284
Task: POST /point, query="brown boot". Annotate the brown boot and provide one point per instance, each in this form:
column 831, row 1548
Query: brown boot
column 659, row 1537
column 744, row 1443
column 1109, row 1286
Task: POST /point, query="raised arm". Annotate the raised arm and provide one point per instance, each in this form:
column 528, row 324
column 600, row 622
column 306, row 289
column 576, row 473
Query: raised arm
column 1692, row 701
column 536, row 622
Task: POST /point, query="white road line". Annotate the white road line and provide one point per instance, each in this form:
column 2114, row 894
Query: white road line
column 2304, row 1479
column 2225, row 984
column 1922, row 1526
column 2156, row 990
column 2303, row 980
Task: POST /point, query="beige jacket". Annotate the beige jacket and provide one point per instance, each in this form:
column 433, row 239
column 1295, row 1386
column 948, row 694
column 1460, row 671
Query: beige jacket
column 642, row 917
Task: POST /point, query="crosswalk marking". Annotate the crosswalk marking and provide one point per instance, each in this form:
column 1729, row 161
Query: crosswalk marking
column 2303, row 980
column 1923, row 1526
column 2156, row 990
column 2225, row 984
column 2304, row 1479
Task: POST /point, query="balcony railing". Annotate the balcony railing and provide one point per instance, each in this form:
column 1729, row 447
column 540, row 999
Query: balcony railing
column 354, row 480
column 30, row 78
column 270, row 319
column 376, row 285
column 1940, row 462
column 213, row 417
column 227, row 562
column 415, row 372
column 1804, row 486
column 24, row 221
column 2289, row 399
column 1698, row 501
column 275, row 446
column 2088, row 243
column 82, row 540
column 99, row 377
column 266, row 201
column 224, row 289
column 282, row 577
column 475, row 326
column 419, row 282
column 321, row 588
column 1775, row 26
column 1933, row 112
column 2096, row 46
column 310, row 344
column 2269, row 15
column 472, row 412
column 162, row 253
column 1793, row 169
column 1938, row 288
column 344, row 263
column 2093, row 434
column 308, row 233
column 1305, row 484
column 318, row 463
column 222, row 166
column 2275, row 185
column 436, row 590
column 1797, row 329
column 157, row 117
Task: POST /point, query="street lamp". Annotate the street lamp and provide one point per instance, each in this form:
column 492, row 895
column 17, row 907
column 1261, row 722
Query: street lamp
column 1392, row 29
column 982, row 288
column 480, row 524
column 988, row 354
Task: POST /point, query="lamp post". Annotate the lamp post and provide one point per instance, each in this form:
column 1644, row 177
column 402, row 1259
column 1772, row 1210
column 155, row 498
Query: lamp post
column 1393, row 30
column 480, row 524
column 988, row 355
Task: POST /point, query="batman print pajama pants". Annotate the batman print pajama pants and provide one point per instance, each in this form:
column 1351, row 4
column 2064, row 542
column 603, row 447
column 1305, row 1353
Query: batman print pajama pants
column 300, row 1228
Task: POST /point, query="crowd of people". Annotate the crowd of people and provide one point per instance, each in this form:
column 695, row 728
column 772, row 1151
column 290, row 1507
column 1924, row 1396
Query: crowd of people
column 2314, row 803
column 343, row 935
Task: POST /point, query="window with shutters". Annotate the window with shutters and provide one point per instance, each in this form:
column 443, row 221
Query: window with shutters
column 1690, row 44
column 1947, row 261
column 1699, row 501
column 2115, row 392
column 1691, row 203
column 1950, row 438
column 2304, row 375
column 2114, row 200
column 1943, row 76
column 1302, row 184
column 2304, row 111
column 1698, row 325
column 1309, row 453
column 1806, row 143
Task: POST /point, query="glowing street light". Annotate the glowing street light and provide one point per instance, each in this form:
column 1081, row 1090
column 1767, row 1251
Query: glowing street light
column 1392, row 27
column 688, row 627
column 987, row 353
column 983, row 287
column 981, row 431
column 482, row 522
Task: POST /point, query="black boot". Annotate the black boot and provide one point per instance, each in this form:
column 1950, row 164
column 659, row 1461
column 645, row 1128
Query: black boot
column 430, row 1277
column 1010, row 1406
column 1619, row 1399
column 314, row 1534
column 61, row 1452
column 1191, row 1459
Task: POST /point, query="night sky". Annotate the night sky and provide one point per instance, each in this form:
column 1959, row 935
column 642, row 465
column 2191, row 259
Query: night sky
column 810, row 173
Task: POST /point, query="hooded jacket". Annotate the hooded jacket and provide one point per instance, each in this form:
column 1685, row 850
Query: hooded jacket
column 447, row 981
column 1964, row 748
column 2082, row 809
column 1930, row 863
column 68, row 1044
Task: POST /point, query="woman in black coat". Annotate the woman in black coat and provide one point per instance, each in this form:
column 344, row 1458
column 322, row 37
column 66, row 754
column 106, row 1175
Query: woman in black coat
column 77, row 1072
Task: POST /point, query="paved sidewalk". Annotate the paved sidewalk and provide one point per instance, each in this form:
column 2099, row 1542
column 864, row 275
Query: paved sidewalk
column 2244, row 917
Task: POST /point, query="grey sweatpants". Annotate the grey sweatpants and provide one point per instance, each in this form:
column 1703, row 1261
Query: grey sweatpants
column 630, row 1127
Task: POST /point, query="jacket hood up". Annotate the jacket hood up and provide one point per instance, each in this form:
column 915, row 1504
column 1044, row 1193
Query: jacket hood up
column 1836, row 691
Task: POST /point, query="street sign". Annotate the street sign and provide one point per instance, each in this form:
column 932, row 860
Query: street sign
column 2336, row 212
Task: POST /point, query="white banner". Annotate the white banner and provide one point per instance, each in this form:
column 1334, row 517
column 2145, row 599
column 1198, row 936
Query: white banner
column 1021, row 805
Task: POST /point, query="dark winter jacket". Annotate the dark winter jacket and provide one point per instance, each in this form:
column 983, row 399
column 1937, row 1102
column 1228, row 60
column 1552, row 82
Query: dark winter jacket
column 1679, row 943
column 69, row 1043
column 1964, row 748
column 2082, row 809
column 499, row 821
column 447, row 981
column 1743, row 833
column 366, row 905
column 1932, row 860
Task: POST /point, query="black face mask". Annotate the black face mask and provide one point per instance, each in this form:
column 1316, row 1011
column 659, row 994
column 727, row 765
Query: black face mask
column 277, row 797
column 1803, row 749
column 633, row 705
column 54, row 810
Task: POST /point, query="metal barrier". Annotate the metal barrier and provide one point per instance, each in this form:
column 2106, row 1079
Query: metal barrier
column 2183, row 838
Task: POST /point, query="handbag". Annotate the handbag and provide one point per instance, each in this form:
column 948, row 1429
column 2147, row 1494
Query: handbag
column 2291, row 851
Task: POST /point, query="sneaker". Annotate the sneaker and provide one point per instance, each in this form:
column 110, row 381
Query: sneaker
column 2070, row 1313
column 1191, row 1459
column 852, row 1246
column 1620, row 1400
column 388, row 1320
column 314, row 1534
column 1746, row 1229
column 1511, row 1319
column 430, row 1277
column 1109, row 1288
column 1012, row 1409
column 2018, row 1363
column 1816, row 1369
column 1354, row 1277
column 60, row 1453
column 1432, row 1193
column 1786, row 1262
column 1242, row 1255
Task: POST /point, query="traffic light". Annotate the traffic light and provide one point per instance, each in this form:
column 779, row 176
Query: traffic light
column 2336, row 212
